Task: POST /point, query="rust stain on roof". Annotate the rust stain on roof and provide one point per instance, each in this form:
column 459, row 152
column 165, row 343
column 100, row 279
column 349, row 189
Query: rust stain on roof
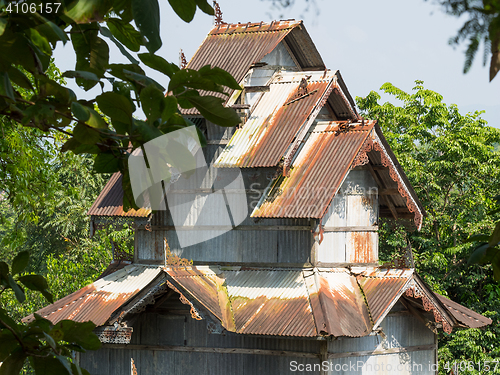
column 110, row 201
column 97, row 301
column 235, row 47
column 380, row 288
column 315, row 175
column 283, row 302
column 279, row 302
column 277, row 118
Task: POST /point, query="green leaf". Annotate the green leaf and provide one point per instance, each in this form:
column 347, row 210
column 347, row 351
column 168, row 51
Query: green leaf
column 40, row 41
column 495, row 236
column 89, row 116
column 185, row 9
column 117, row 70
column 213, row 110
column 14, row 363
column 205, row 7
column 3, row 24
column 152, row 103
column 65, row 362
column 158, row 63
column 8, row 320
column 70, row 145
column 92, row 53
column 50, row 340
column 147, row 18
column 125, row 33
column 80, row 112
column 20, row 262
column 17, row 289
column 52, row 88
column 142, row 80
column 85, row 134
column 146, row 131
column 8, row 343
column 478, row 238
column 5, row 86
column 106, row 162
column 86, row 149
column 86, row 11
column 193, row 79
column 219, row 76
column 105, row 31
column 169, row 107
column 34, row 282
column 79, row 333
column 4, row 269
column 51, row 31
column 49, row 366
column 479, row 254
column 81, row 74
column 19, row 78
column 116, row 106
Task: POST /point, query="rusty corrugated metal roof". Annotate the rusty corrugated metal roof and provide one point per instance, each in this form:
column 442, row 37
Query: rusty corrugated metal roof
column 97, row 301
column 110, row 201
column 380, row 286
column 315, row 175
column 235, row 47
column 281, row 302
column 338, row 304
column 464, row 315
column 276, row 119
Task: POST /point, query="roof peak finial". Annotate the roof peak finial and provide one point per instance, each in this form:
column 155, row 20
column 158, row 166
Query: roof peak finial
column 182, row 59
column 217, row 14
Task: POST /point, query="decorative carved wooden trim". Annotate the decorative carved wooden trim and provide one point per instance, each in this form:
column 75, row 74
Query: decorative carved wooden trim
column 184, row 300
column 416, row 292
column 362, row 159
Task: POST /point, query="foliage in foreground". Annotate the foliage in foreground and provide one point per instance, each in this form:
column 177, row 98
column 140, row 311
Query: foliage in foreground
column 32, row 98
column 48, row 347
column 452, row 161
column 481, row 27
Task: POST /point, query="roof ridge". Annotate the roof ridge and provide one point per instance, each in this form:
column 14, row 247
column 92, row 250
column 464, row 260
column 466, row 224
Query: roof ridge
column 243, row 28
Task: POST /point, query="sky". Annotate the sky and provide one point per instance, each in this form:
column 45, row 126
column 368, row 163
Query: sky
column 370, row 42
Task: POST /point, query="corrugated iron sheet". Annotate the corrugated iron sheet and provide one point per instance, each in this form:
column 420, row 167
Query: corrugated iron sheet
column 316, row 174
column 278, row 302
column 258, row 295
column 276, row 119
column 284, row 302
column 110, row 201
column 381, row 286
column 464, row 315
column 338, row 305
column 235, row 47
column 97, row 301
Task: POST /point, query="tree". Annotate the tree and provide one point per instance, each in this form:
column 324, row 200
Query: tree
column 453, row 162
column 29, row 32
column 48, row 347
column 482, row 26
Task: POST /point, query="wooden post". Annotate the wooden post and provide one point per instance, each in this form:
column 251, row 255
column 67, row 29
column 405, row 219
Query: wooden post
column 323, row 355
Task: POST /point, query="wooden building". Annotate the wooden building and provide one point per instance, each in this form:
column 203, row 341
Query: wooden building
column 295, row 285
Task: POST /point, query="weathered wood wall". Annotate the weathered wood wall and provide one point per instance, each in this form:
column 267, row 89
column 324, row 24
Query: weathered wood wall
column 354, row 208
column 178, row 344
column 264, row 241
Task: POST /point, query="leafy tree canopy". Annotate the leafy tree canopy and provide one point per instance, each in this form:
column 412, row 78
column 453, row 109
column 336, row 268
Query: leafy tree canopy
column 453, row 162
column 482, row 26
column 105, row 125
